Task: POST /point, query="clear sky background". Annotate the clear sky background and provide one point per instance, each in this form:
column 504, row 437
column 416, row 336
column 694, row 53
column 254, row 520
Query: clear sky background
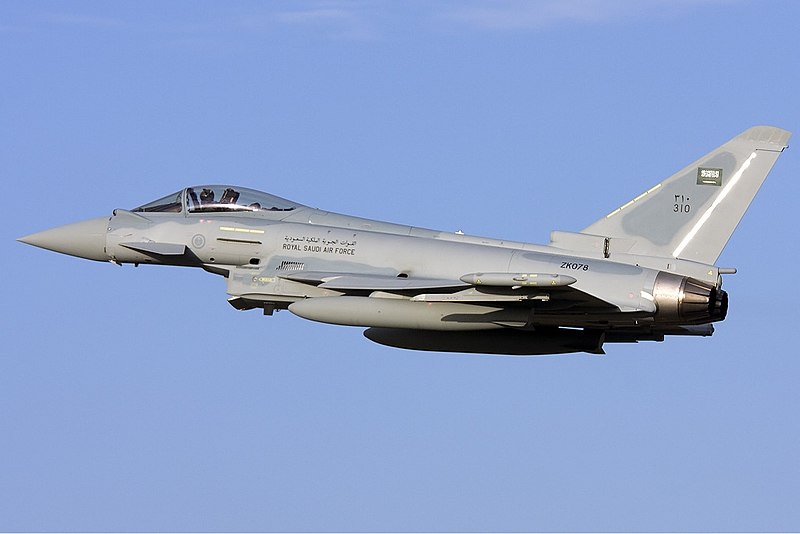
column 138, row 399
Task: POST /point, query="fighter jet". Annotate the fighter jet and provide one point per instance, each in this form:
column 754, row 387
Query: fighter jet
column 644, row 271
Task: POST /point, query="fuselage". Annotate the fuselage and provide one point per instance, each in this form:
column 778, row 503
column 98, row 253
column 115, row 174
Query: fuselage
column 261, row 253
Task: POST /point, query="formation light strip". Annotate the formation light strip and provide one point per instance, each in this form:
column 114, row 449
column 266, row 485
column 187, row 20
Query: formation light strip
column 244, row 230
column 717, row 201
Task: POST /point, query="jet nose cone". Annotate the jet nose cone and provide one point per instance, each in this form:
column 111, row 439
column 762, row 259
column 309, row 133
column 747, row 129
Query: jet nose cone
column 85, row 239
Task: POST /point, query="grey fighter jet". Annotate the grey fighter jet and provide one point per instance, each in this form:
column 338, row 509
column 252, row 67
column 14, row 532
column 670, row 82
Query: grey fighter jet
column 643, row 272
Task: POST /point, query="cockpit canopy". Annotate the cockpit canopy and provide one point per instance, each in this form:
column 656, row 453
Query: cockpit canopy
column 218, row 198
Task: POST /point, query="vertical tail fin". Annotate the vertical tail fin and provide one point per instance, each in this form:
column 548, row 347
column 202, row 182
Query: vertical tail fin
column 693, row 213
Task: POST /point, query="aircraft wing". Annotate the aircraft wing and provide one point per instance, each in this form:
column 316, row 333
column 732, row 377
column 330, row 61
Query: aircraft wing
column 543, row 290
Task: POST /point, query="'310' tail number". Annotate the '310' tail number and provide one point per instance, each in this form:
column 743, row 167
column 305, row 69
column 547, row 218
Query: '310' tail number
column 574, row 266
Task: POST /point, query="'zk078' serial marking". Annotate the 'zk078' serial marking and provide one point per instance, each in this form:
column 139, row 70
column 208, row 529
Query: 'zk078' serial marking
column 574, row 266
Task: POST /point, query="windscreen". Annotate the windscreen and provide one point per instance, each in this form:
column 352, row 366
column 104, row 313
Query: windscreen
column 171, row 203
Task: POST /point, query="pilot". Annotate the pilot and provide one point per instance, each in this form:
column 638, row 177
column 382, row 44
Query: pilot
column 229, row 196
column 255, row 206
column 207, row 196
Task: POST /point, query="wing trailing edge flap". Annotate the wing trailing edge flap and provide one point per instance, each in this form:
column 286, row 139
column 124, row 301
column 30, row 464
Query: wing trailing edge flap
column 625, row 304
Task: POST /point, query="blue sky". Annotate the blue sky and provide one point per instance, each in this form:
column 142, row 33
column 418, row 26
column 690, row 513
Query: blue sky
column 138, row 399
